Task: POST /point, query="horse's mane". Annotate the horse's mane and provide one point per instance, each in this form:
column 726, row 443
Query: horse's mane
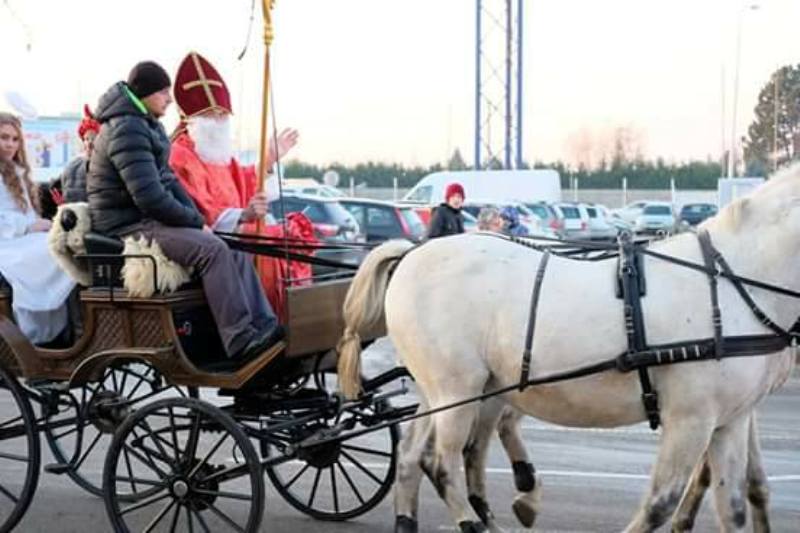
column 732, row 215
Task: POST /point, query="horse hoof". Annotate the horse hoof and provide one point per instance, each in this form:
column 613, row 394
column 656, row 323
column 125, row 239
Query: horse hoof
column 468, row 526
column 524, row 512
column 404, row 524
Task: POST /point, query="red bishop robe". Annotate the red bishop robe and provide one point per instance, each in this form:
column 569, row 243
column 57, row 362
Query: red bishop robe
column 221, row 192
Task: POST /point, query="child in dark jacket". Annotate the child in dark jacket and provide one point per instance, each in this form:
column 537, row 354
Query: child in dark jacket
column 447, row 218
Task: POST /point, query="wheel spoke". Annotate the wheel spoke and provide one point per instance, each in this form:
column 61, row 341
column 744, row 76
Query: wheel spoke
column 11, row 421
column 297, row 476
column 158, row 517
column 314, row 488
column 362, row 467
column 135, row 388
column 146, row 460
column 202, row 521
column 366, row 450
column 223, row 494
column 8, row 494
column 333, row 489
column 74, row 429
column 127, row 457
column 13, row 457
column 189, row 520
column 144, row 503
column 225, row 518
column 157, row 442
column 211, row 452
column 88, row 451
column 350, row 482
column 175, row 518
column 140, row 481
column 194, row 435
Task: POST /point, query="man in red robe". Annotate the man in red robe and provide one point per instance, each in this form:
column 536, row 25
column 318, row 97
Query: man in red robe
column 226, row 193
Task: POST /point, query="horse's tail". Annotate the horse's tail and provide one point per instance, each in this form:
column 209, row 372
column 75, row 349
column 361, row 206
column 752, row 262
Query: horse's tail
column 363, row 307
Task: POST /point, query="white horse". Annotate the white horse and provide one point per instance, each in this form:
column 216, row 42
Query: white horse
column 457, row 309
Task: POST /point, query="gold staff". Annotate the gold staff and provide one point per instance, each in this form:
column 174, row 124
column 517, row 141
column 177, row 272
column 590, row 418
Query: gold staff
column 263, row 148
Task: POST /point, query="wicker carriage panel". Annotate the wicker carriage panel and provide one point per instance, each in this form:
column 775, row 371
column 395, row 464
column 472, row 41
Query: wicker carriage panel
column 109, row 330
column 148, row 329
column 7, row 358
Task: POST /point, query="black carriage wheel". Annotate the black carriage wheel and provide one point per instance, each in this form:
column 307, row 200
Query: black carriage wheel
column 184, row 465
column 20, row 454
column 80, row 427
column 337, row 481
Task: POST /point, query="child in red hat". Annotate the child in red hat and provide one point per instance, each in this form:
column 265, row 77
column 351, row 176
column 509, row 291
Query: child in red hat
column 447, row 218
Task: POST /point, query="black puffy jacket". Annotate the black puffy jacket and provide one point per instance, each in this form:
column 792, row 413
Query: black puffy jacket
column 73, row 180
column 445, row 220
column 129, row 178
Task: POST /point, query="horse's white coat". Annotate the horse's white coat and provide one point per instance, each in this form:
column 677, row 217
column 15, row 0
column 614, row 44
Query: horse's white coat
column 457, row 309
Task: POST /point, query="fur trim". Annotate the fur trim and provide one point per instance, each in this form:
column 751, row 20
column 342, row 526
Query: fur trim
column 137, row 274
column 64, row 245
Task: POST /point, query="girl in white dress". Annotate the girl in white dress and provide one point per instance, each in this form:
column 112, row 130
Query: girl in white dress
column 39, row 287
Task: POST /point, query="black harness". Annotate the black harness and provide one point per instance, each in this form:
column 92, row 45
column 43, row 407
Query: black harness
column 640, row 355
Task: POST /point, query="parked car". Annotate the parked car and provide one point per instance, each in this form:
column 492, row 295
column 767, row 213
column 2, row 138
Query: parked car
column 324, row 191
column 655, row 217
column 600, row 228
column 575, row 220
column 381, row 221
column 332, row 224
column 694, row 214
column 630, row 212
column 548, row 216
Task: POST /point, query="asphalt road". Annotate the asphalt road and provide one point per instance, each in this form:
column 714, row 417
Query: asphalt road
column 593, row 480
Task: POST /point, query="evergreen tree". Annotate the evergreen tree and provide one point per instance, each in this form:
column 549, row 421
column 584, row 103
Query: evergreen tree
column 763, row 148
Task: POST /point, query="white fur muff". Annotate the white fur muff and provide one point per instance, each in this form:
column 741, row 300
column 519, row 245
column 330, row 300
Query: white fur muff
column 137, row 273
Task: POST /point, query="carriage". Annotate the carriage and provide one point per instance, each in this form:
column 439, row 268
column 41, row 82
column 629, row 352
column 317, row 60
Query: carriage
column 138, row 384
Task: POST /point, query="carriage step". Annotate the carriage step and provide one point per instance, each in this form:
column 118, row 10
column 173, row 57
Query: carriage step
column 58, row 468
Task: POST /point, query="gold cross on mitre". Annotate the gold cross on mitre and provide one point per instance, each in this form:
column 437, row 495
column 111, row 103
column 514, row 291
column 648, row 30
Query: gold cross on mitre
column 202, row 81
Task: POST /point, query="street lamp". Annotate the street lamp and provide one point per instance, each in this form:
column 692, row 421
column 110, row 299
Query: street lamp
column 732, row 151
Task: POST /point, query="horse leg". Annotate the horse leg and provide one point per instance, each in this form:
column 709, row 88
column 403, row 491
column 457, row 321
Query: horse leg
column 526, row 504
column 414, row 450
column 757, row 488
column 689, row 506
column 682, row 445
column 475, row 454
column 728, row 462
column 452, row 430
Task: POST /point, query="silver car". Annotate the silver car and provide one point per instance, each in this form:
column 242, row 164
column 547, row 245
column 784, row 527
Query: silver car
column 656, row 217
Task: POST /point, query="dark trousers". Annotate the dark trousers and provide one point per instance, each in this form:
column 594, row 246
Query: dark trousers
column 231, row 285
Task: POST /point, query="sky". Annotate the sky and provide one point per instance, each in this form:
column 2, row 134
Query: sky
column 394, row 81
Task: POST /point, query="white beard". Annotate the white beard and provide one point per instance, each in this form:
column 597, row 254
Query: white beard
column 212, row 138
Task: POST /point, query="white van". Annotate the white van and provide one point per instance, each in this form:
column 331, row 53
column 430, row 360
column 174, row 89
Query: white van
column 499, row 186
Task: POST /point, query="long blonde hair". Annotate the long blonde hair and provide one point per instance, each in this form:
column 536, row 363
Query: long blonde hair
column 11, row 179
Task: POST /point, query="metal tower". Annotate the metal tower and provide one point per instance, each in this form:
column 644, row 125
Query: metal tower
column 498, row 83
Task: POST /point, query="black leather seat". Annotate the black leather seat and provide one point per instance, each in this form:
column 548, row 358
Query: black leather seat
column 97, row 243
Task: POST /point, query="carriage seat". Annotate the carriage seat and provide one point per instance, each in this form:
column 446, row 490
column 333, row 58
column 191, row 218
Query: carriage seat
column 97, row 243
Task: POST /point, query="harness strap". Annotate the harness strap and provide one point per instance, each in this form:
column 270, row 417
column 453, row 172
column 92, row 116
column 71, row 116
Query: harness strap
column 634, row 324
column 705, row 240
column 709, row 259
column 537, row 288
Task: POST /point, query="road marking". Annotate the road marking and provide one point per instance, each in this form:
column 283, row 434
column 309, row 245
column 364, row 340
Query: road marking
column 639, row 430
column 565, row 473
